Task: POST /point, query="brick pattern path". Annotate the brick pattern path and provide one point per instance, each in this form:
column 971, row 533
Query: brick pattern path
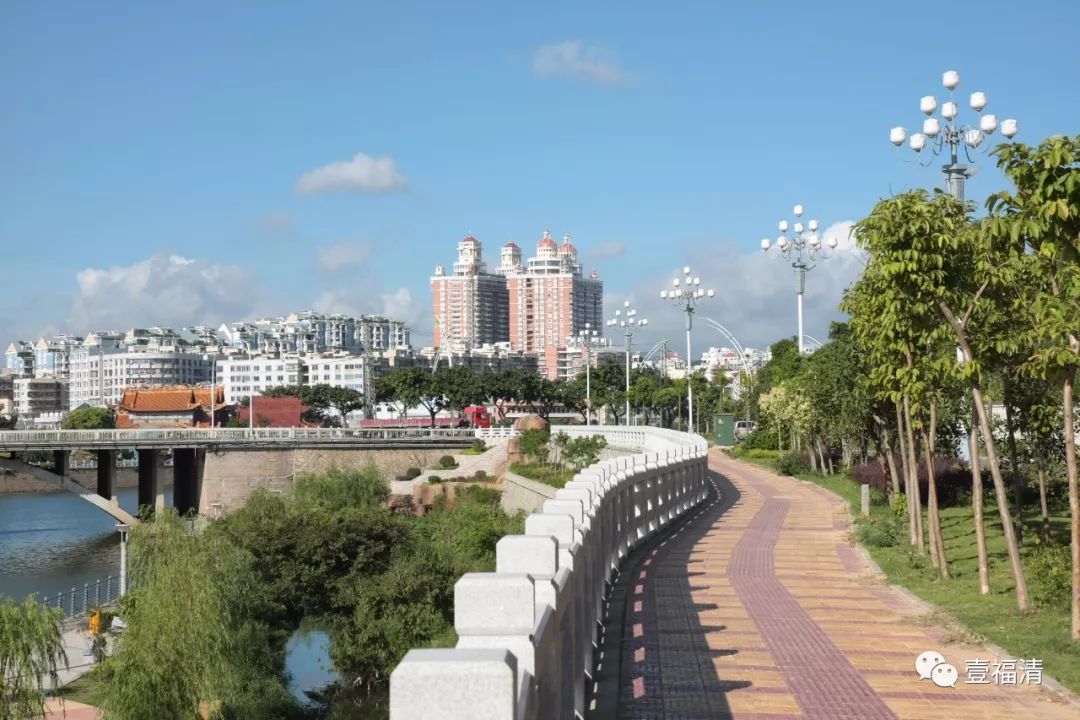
column 761, row 610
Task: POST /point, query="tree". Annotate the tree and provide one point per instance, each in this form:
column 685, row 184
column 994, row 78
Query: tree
column 31, row 649
column 460, row 387
column 412, row 387
column 89, row 418
column 341, row 400
column 1038, row 225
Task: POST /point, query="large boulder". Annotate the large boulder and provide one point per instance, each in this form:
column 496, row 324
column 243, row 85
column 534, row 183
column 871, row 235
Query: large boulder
column 530, row 422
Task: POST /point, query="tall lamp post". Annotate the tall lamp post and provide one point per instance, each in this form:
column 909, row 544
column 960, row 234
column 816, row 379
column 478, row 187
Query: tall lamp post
column 802, row 249
column 627, row 322
column 688, row 293
column 123, row 530
column 588, row 339
column 952, row 136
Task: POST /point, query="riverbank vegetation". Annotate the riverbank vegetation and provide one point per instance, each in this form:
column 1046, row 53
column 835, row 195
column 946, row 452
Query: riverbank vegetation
column 210, row 610
column 962, row 341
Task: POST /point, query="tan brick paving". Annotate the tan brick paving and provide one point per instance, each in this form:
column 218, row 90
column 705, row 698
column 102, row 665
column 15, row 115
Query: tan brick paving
column 761, row 611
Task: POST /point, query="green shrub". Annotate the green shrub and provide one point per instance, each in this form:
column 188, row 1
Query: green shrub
column 481, row 476
column 791, row 464
column 479, row 446
column 434, row 479
column 761, row 454
column 447, row 462
column 413, row 472
column 1050, row 570
column 879, row 530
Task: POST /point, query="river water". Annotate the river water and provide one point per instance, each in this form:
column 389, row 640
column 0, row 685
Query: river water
column 52, row 542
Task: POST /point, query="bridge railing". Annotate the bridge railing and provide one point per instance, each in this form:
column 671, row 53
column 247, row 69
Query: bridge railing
column 74, row 438
column 80, row 600
column 496, row 433
column 527, row 632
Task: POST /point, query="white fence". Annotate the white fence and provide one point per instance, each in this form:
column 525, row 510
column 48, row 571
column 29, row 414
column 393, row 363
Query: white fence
column 496, row 433
column 526, row 632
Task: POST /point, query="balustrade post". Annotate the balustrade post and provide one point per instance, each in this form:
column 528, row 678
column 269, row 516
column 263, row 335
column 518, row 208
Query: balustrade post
column 454, row 684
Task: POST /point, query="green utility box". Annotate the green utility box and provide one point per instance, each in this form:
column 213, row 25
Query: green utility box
column 724, row 426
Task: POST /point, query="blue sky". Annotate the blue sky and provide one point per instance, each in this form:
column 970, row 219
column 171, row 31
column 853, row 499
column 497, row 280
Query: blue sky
column 134, row 132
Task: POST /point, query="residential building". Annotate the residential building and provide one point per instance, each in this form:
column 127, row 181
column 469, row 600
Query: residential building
column 34, row 397
column 19, row 358
column 491, row 357
column 470, row 305
column 182, row 406
column 107, row 364
column 311, row 332
column 241, row 377
column 550, row 300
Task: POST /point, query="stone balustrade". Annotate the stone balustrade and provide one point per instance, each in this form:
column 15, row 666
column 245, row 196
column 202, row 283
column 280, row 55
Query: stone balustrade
column 496, row 433
column 528, row 631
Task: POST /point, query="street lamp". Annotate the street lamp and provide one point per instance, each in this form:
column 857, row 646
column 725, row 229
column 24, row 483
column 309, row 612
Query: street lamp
column 213, row 389
column 688, row 293
column 627, row 322
column 936, row 137
column 588, row 339
column 123, row 530
column 803, row 248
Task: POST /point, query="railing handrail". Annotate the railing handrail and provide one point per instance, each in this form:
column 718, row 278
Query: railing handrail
column 527, row 632
column 79, row 600
column 134, row 437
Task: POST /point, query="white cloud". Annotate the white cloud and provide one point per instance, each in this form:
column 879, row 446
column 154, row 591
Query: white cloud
column 336, row 257
column 607, row 250
column 362, row 174
column 755, row 296
column 576, row 60
column 166, row 290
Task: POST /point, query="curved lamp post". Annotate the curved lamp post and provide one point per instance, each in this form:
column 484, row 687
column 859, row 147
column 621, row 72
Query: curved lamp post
column 627, row 322
column 803, row 249
column 688, row 293
column 937, row 137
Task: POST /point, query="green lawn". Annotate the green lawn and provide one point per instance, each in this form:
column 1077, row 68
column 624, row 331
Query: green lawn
column 80, row 690
column 547, row 474
column 1043, row 633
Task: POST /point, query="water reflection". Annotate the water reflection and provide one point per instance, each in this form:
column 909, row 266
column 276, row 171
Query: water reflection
column 313, row 680
column 52, row 542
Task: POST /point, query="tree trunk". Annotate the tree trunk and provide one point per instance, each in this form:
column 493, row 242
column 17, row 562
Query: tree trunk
column 1042, row 501
column 977, row 503
column 929, row 442
column 1023, row 600
column 832, row 470
column 1074, row 499
column 1016, row 481
column 912, row 535
column 915, row 499
column 813, row 461
column 889, row 459
column 821, row 457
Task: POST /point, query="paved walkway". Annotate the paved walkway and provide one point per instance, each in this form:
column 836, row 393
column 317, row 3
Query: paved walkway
column 761, row 610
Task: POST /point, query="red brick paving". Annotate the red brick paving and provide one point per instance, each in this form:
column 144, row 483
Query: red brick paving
column 762, row 610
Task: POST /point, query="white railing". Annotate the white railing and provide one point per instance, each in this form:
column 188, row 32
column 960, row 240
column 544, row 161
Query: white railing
column 202, row 436
column 526, row 632
column 496, row 433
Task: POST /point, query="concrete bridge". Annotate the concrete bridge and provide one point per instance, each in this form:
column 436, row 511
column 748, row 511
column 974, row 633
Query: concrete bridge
column 234, row 460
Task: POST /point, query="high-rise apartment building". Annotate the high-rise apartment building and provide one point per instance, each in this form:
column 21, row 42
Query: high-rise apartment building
column 470, row 305
column 550, row 299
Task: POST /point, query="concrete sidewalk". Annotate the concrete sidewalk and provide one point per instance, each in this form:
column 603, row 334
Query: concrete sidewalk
column 761, row 609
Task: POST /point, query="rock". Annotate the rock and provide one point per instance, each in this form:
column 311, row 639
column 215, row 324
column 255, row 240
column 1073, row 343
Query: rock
column 530, row 422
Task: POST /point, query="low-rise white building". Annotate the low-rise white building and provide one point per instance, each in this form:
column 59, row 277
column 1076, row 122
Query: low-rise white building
column 36, row 397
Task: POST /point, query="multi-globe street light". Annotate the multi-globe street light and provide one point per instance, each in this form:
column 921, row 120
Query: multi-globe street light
column 936, row 136
column 628, row 321
column 688, row 293
column 588, row 339
column 803, row 249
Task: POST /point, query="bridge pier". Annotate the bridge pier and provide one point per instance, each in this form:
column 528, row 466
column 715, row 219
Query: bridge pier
column 61, row 462
column 151, row 493
column 187, row 479
column 106, row 473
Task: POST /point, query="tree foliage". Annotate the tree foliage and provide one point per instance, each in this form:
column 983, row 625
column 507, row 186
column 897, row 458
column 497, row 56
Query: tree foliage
column 89, row 418
column 31, row 650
